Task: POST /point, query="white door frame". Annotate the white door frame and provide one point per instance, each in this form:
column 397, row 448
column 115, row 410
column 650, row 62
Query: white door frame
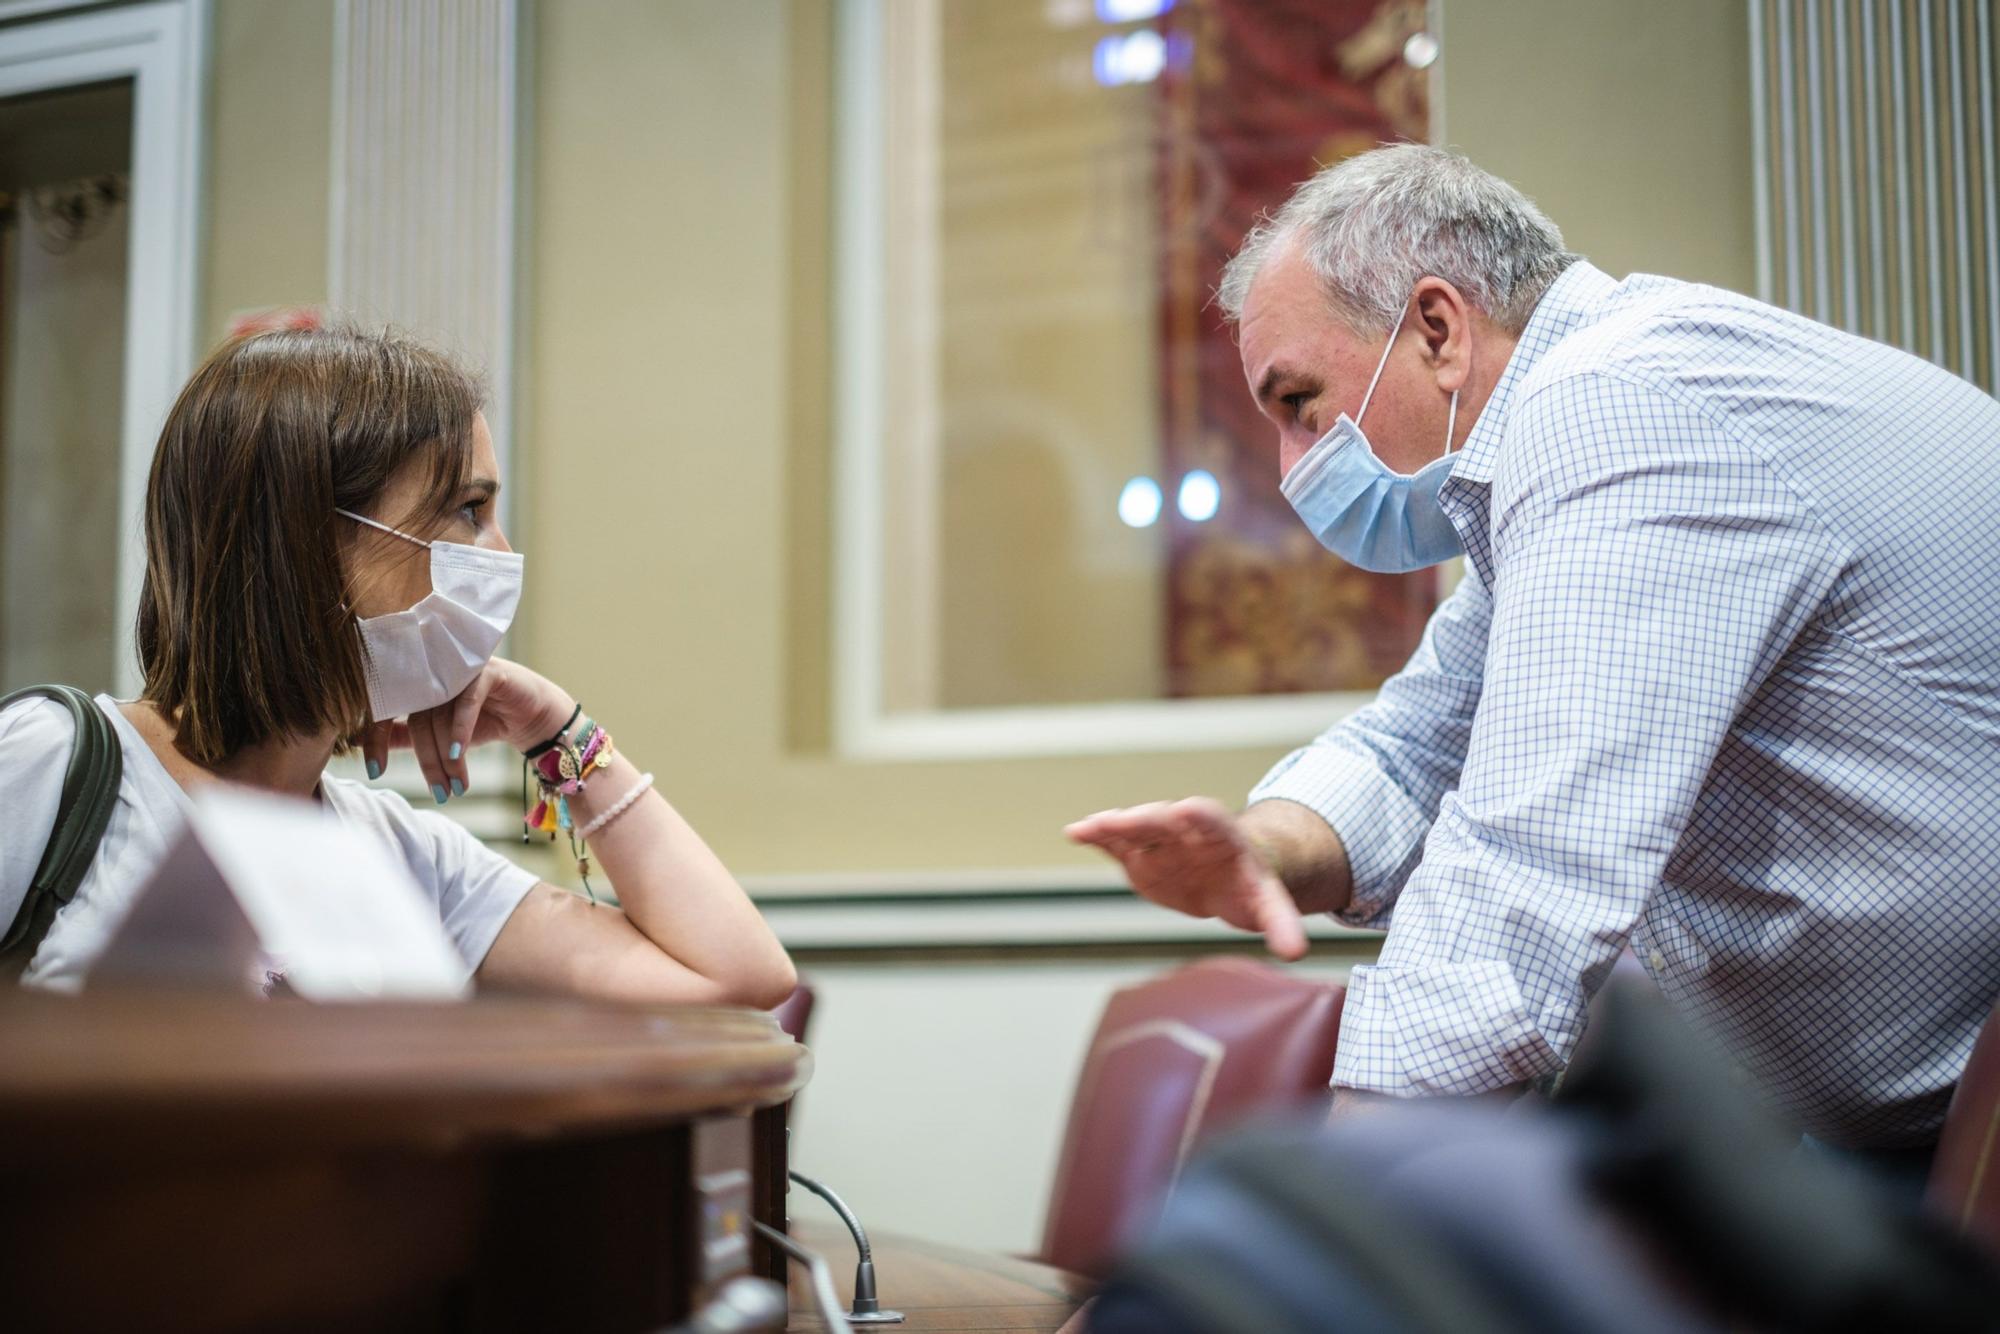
column 162, row 48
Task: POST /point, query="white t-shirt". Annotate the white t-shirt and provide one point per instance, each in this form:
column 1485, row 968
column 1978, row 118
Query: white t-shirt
column 475, row 888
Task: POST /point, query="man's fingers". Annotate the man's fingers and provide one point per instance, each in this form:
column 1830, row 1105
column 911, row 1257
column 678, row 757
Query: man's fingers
column 1151, row 823
column 1278, row 918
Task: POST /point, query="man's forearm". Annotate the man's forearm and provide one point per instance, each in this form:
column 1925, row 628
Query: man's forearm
column 1304, row 851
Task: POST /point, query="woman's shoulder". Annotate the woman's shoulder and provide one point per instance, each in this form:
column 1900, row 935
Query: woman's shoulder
column 31, row 730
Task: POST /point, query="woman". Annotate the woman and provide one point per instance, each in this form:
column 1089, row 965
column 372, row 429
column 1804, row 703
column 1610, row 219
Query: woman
column 325, row 567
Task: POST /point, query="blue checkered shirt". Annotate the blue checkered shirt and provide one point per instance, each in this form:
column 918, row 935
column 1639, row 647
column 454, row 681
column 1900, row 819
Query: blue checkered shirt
column 1722, row 682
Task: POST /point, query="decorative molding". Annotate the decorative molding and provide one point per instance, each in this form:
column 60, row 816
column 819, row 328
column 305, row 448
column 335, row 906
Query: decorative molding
column 962, row 912
column 162, row 47
column 1876, row 163
column 425, row 173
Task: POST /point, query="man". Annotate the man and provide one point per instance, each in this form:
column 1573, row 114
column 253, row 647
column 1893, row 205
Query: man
column 1721, row 680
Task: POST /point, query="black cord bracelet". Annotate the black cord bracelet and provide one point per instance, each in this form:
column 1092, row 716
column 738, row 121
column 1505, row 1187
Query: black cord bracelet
column 555, row 740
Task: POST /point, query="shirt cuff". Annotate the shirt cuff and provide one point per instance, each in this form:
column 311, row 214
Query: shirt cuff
column 1380, row 827
column 1450, row 1029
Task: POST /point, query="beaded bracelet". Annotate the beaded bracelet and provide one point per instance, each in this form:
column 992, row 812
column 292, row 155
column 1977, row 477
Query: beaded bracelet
column 618, row 807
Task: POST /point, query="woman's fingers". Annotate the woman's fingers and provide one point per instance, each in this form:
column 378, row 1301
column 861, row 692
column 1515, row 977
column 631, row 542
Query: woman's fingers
column 375, row 748
column 430, row 755
column 451, row 755
column 460, row 727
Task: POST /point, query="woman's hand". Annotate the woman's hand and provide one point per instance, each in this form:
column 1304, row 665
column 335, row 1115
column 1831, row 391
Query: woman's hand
column 505, row 702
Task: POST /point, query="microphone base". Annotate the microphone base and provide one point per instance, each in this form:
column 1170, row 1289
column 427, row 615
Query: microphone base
column 875, row 1318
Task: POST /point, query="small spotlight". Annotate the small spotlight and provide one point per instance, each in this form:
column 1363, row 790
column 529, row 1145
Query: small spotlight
column 1131, row 11
column 1200, row 497
column 1133, row 57
column 1421, row 51
column 1139, row 503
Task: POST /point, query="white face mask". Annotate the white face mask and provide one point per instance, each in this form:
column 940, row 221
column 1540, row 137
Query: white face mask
column 423, row 657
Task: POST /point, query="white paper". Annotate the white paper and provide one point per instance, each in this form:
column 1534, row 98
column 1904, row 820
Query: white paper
column 258, row 882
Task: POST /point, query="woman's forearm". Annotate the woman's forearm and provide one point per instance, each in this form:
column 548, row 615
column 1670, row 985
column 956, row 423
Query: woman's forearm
column 676, row 891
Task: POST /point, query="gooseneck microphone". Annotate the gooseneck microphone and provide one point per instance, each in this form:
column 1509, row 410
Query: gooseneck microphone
column 867, row 1309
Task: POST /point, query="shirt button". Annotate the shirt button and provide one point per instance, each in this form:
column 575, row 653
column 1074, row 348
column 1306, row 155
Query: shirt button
column 1656, row 961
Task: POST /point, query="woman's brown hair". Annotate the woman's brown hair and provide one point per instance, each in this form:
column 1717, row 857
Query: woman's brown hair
column 244, row 629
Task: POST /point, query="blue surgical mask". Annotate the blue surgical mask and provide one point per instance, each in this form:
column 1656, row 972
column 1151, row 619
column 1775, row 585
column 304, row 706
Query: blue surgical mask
column 1364, row 512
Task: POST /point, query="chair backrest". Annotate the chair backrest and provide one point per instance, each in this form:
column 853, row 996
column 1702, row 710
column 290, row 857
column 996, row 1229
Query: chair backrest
column 1965, row 1176
column 794, row 1013
column 1174, row 1059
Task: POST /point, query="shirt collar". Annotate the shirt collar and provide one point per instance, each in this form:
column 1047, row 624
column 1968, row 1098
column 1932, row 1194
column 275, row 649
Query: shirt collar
column 1575, row 298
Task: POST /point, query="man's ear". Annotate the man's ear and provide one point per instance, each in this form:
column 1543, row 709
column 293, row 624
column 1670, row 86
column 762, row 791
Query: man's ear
column 1445, row 320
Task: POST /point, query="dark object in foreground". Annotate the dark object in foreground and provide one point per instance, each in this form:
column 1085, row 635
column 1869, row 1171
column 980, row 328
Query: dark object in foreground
column 1656, row 1197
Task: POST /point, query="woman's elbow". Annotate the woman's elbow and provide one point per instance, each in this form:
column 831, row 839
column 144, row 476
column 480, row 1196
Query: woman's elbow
column 765, row 987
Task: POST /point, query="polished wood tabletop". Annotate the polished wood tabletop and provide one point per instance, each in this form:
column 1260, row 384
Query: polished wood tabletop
column 192, row 1073
column 939, row 1287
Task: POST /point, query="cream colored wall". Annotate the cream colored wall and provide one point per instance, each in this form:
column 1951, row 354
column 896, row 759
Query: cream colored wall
column 1628, row 121
column 269, row 120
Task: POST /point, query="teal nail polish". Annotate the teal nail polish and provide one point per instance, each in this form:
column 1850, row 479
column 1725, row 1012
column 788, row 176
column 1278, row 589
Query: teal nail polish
column 457, row 787
column 456, row 750
column 437, row 791
column 374, row 771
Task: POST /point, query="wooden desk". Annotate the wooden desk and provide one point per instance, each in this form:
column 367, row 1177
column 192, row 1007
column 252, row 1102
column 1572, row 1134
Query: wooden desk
column 939, row 1287
column 177, row 1162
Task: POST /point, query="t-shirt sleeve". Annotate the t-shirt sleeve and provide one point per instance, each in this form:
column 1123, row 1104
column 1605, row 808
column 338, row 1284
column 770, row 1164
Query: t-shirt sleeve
column 476, row 888
column 36, row 737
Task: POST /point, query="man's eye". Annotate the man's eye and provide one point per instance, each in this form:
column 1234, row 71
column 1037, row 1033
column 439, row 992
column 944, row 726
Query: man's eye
column 1296, row 402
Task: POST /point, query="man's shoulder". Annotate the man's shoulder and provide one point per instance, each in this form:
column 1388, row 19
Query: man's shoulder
column 1664, row 334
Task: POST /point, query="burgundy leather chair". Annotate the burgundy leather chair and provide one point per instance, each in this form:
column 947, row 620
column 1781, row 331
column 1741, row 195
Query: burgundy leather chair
column 1965, row 1176
column 794, row 1013
column 1174, row 1059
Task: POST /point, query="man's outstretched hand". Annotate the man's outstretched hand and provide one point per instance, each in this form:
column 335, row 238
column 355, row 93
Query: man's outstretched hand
column 1193, row 856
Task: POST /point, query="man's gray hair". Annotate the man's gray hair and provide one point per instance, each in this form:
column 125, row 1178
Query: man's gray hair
column 1374, row 225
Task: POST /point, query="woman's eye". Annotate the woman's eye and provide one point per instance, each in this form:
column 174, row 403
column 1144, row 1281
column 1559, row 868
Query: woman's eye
column 470, row 511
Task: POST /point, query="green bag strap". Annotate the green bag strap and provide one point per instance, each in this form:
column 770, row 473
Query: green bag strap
column 89, row 790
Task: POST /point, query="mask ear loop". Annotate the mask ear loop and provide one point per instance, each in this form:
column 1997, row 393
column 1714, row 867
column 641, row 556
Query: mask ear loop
column 1376, row 378
column 362, row 518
